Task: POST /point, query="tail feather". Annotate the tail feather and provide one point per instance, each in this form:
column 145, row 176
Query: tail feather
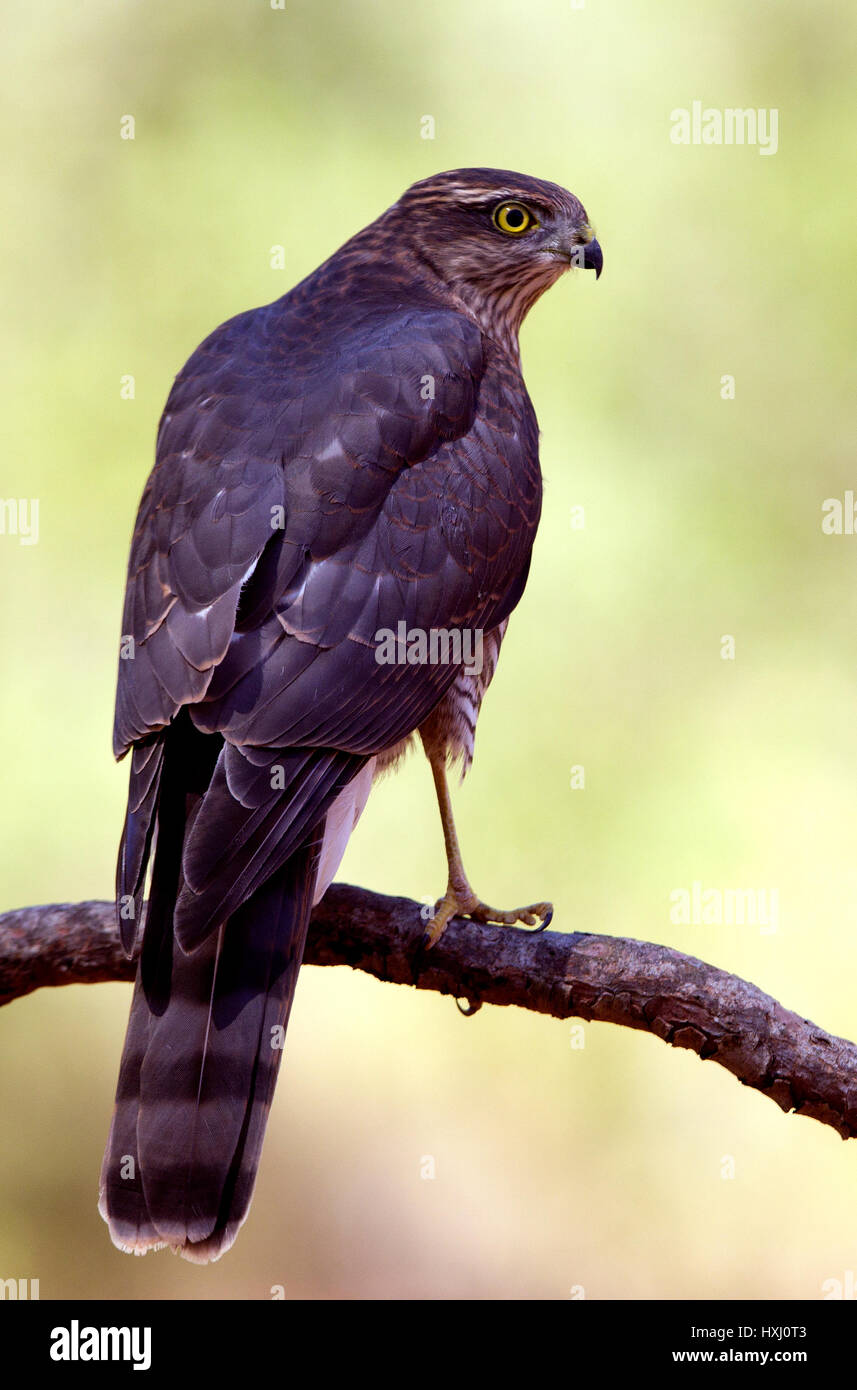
column 197, row 1078
column 207, row 1025
column 146, row 767
column 121, row 1199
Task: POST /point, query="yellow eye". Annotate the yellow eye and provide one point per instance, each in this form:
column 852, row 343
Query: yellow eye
column 514, row 219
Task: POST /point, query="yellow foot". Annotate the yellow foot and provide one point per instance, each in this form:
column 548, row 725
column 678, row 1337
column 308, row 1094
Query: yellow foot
column 452, row 904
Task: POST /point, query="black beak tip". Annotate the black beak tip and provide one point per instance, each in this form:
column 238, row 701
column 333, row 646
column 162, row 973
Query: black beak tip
column 593, row 258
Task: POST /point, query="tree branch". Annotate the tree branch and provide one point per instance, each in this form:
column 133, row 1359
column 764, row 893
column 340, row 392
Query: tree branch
column 607, row 979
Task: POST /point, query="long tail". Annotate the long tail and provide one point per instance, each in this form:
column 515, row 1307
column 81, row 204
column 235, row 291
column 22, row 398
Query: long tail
column 206, row 1030
column 198, row 1073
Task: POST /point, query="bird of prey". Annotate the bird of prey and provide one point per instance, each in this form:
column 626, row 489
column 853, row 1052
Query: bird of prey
column 357, row 459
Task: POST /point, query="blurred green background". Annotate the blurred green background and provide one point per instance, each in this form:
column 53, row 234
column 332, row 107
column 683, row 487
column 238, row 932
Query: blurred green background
column 555, row 1167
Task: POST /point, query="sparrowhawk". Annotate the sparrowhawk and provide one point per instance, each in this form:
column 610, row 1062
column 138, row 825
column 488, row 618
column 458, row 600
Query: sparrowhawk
column 358, row 458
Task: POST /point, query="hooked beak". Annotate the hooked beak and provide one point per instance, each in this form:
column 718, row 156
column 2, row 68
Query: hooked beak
column 580, row 253
column 592, row 257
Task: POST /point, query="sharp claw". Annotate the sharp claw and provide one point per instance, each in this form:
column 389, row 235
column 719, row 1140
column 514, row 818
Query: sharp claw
column 542, row 925
column 486, row 916
column 434, row 931
column 534, row 923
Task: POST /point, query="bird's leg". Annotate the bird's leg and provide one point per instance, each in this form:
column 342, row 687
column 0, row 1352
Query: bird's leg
column 460, row 899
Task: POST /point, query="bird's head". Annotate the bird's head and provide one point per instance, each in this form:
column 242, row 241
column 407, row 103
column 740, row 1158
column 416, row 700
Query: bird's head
column 497, row 239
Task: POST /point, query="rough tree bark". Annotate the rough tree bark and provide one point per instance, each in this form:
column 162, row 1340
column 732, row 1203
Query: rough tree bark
column 608, row 979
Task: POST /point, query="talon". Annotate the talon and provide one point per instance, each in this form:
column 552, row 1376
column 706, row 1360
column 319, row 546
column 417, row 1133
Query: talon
column 445, row 910
column 460, row 899
column 536, row 917
column 545, row 912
